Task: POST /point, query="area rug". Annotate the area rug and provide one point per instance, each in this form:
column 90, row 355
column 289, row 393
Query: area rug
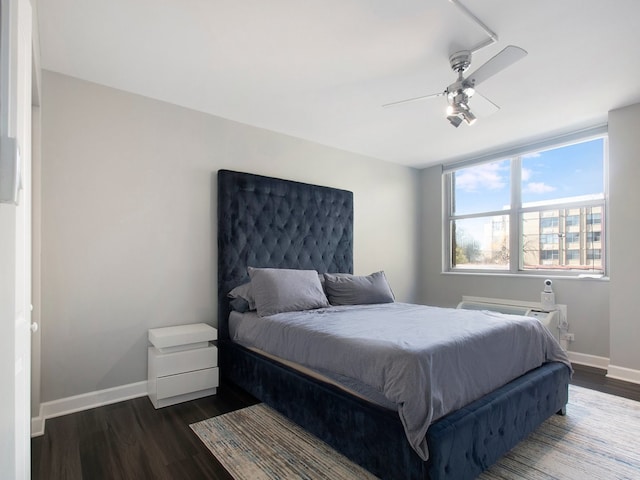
column 257, row 443
column 596, row 440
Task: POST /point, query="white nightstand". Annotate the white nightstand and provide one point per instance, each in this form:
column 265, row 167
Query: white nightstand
column 183, row 364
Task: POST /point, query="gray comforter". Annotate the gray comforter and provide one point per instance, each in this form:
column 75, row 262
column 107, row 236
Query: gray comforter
column 429, row 361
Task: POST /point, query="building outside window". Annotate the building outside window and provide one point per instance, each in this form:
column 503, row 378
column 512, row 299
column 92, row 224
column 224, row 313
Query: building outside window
column 539, row 211
column 567, row 237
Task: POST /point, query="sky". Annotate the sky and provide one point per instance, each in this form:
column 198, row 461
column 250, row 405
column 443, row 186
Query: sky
column 569, row 171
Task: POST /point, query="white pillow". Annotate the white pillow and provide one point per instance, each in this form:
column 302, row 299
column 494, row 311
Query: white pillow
column 277, row 290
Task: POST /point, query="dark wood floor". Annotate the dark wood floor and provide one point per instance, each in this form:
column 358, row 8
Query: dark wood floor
column 132, row 440
column 595, row 379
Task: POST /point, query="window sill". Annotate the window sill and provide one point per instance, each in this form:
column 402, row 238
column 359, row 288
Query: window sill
column 484, row 273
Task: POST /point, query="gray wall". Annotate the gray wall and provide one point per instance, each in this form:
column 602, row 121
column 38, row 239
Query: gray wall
column 601, row 313
column 128, row 230
column 624, row 174
column 128, row 222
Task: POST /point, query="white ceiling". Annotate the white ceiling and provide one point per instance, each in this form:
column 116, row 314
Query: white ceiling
column 321, row 69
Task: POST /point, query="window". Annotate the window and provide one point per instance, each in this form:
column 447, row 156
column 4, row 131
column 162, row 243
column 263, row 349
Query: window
column 572, row 237
column 593, row 236
column 572, row 221
column 593, row 219
column 549, row 223
column 594, row 254
column 573, row 255
column 549, row 238
column 546, row 206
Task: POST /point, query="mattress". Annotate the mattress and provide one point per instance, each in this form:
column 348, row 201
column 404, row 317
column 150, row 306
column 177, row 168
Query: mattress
column 427, row 361
column 347, row 384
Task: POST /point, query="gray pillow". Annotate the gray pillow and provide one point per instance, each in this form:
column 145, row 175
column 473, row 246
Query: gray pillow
column 239, row 305
column 242, row 298
column 282, row 290
column 345, row 289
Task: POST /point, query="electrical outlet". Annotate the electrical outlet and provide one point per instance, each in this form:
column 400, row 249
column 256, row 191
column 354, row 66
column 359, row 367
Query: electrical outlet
column 570, row 337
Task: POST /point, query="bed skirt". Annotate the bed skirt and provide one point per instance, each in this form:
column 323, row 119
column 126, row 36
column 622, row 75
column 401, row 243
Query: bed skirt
column 461, row 444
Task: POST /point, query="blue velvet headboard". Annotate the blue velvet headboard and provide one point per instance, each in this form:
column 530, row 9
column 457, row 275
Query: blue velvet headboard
column 270, row 222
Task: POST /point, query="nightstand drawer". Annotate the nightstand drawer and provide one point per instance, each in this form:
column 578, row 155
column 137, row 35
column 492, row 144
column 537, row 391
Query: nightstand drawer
column 167, row 338
column 187, row 382
column 163, row 364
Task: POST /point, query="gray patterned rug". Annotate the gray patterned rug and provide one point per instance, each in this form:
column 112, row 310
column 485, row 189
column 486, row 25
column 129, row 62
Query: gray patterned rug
column 597, row 439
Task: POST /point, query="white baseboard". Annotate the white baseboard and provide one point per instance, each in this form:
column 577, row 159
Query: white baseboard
column 623, row 373
column 85, row 401
column 37, row 424
column 613, row 371
column 589, row 360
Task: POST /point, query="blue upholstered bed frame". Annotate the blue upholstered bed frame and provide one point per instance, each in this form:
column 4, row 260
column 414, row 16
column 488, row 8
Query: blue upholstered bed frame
column 268, row 222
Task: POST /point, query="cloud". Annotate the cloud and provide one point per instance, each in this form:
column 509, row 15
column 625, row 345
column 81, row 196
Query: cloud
column 526, row 174
column 489, row 176
column 538, row 187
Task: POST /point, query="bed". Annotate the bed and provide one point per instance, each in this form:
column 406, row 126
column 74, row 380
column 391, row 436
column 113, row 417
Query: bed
column 267, row 222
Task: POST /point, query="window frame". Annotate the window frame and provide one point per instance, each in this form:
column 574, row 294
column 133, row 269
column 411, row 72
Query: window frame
column 515, row 212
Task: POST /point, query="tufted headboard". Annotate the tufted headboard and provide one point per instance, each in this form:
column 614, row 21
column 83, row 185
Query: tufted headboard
column 269, row 222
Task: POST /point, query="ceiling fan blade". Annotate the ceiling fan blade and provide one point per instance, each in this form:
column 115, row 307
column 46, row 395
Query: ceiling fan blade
column 497, row 63
column 414, row 99
column 481, row 106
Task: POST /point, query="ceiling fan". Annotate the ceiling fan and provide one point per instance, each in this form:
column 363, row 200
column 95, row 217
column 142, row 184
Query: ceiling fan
column 460, row 92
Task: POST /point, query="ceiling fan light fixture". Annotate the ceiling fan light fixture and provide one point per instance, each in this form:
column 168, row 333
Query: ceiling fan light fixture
column 455, row 120
column 457, row 112
column 469, row 117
